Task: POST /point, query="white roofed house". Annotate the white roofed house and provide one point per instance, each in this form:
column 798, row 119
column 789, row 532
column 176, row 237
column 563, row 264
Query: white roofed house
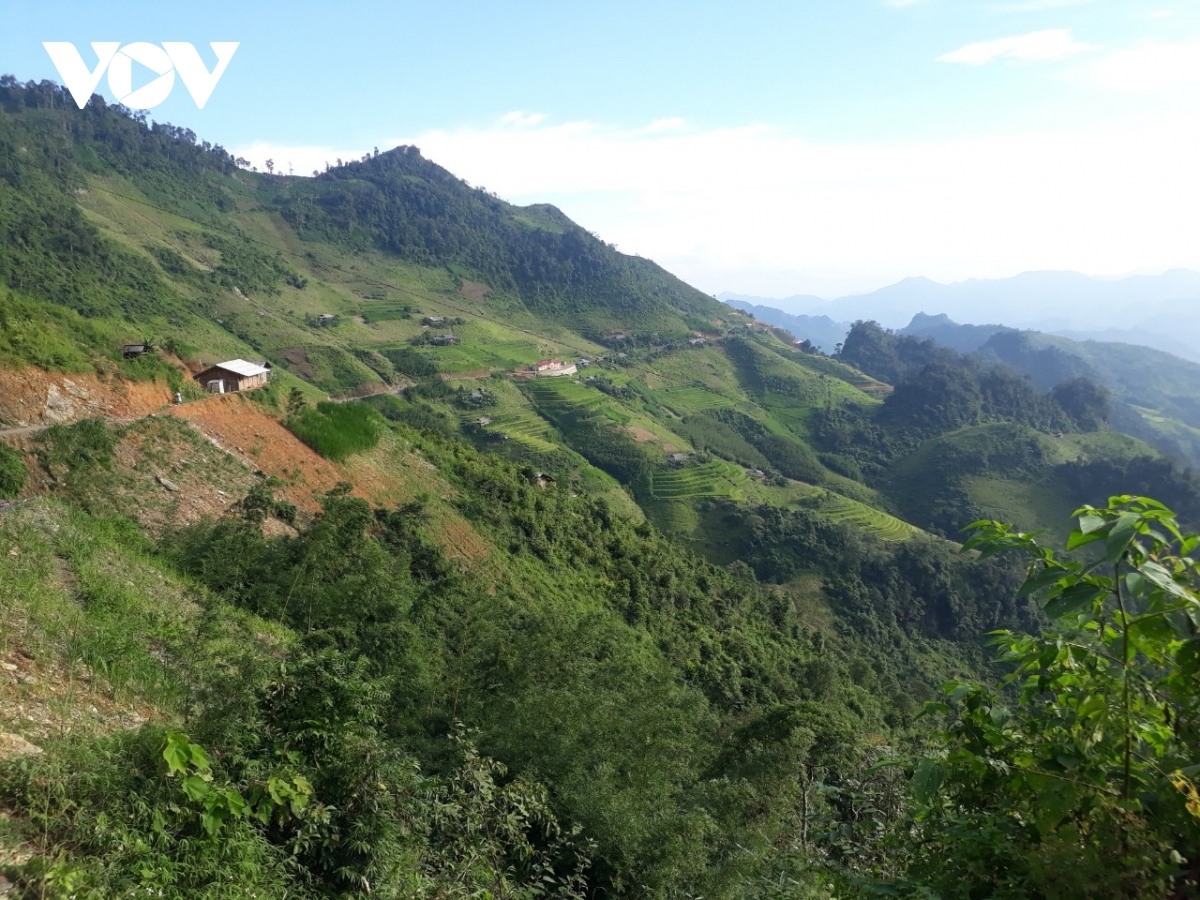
column 550, row 368
column 233, row 376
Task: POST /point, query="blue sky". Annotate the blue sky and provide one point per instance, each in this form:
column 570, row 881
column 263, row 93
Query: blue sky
column 760, row 147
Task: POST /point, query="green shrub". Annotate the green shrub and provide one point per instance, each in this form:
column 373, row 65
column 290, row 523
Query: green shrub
column 338, row 430
column 411, row 363
column 419, row 415
column 12, row 471
column 79, row 447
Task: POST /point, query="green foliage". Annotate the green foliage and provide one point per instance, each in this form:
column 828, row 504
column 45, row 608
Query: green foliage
column 711, row 435
column 132, row 829
column 883, row 592
column 1077, row 776
column 12, row 471
column 411, row 363
column 295, row 402
column 246, row 267
column 786, row 454
column 401, row 203
column 1084, row 401
column 415, row 414
column 939, row 389
column 496, row 835
column 43, row 334
column 337, row 430
column 77, row 452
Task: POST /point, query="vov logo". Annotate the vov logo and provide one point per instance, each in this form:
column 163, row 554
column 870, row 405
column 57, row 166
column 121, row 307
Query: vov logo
column 165, row 61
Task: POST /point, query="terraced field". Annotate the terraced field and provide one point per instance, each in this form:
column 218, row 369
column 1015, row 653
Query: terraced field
column 676, row 517
column 521, row 425
column 874, row 521
column 559, row 391
column 691, row 399
column 713, row 479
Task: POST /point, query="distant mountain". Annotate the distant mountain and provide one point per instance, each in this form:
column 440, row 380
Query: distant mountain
column 1160, row 311
column 821, row 330
column 942, row 329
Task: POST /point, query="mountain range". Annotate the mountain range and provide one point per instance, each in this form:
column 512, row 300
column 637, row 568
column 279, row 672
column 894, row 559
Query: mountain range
column 1160, row 311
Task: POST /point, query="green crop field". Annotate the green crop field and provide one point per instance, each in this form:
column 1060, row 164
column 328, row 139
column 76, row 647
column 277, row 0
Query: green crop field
column 867, row 518
column 692, row 399
column 712, row 479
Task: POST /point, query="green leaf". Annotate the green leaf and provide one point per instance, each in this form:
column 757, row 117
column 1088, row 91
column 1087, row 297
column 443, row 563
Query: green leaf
column 1054, row 802
column 235, row 803
column 1090, row 523
column 927, row 779
column 1079, row 539
column 175, row 754
column 1073, row 599
column 1161, row 577
column 1188, row 656
column 1043, row 579
column 199, row 757
column 211, row 823
column 195, row 787
column 1121, row 535
column 958, row 690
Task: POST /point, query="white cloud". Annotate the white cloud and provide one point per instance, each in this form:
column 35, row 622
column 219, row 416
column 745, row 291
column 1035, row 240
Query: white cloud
column 760, row 210
column 1153, row 67
column 1052, row 44
column 521, row 118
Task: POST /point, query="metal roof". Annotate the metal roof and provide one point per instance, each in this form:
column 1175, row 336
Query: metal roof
column 243, row 368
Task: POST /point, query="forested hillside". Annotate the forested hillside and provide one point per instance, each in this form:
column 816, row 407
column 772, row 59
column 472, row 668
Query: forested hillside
column 964, row 436
column 1153, row 393
column 675, row 624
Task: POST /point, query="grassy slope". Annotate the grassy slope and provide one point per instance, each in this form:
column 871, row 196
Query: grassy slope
column 381, row 297
column 498, row 335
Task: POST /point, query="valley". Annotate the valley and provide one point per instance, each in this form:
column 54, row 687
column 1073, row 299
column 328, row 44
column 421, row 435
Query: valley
column 421, row 617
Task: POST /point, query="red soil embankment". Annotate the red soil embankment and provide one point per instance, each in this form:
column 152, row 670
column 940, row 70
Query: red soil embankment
column 34, row 398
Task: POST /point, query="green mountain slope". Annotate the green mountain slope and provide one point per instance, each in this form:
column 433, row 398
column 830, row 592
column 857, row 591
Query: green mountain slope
column 643, row 631
column 1158, row 394
column 1154, row 392
column 963, row 438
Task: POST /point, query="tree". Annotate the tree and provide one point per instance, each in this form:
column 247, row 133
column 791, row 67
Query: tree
column 1077, row 776
column 295, row 402
column 270, row 167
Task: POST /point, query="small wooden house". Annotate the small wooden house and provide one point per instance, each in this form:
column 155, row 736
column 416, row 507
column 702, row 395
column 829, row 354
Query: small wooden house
column 234, row 376
column 133, row 351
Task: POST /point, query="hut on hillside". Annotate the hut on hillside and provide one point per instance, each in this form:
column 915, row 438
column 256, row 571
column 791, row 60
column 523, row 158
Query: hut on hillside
column 234, row 376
